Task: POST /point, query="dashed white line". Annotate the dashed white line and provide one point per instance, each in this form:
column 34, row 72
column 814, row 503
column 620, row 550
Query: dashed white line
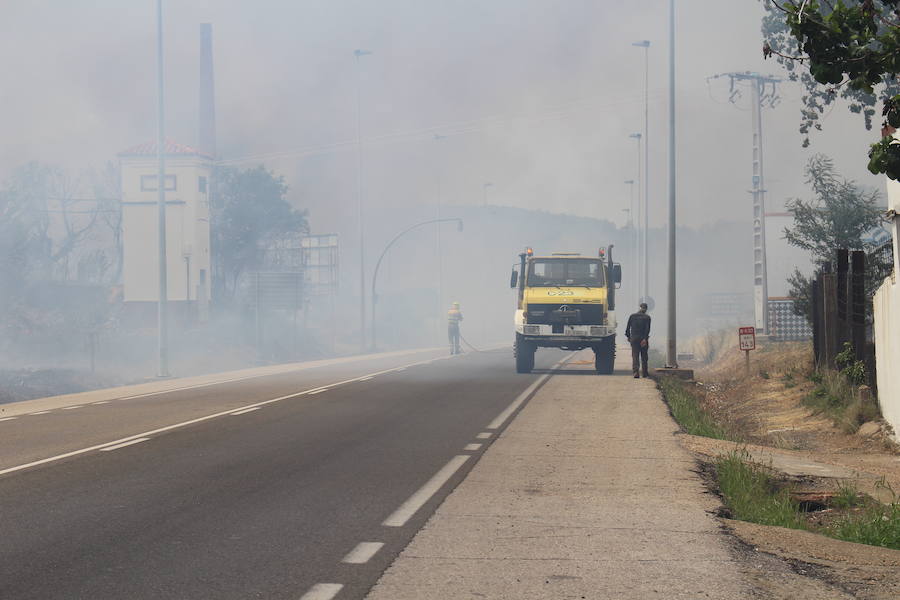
column 400, row 516
column 472, row 447
column 322, row 591
column 40, row 412
column 484, row 436
column 502, row 417
column 7, row 418
column 122, row 445
column 72, row 407
column 245, row 411
column 363, row 552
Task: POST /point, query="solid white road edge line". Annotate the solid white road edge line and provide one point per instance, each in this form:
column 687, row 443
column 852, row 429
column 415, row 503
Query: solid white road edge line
column 245, row 378
column 245, row 411
column 8, row 418
column 400, row 516
column 502, row 417
column 322, row 591
column 40, row 412
column 72, row 407
column 101, row 402
column 131, row 443
column 363, row 552
column 472, row 447
column 190, row 422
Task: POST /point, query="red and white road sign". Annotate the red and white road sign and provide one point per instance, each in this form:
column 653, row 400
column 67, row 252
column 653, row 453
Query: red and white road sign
column 747, row 336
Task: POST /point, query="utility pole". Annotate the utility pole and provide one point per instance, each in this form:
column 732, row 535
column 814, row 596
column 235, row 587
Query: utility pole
column 162, row 302
column 644, row 267
column 762, row 92
column 671, row 346
column 359, row 202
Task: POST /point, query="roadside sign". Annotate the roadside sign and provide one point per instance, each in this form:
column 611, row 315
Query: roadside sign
column 747, row 336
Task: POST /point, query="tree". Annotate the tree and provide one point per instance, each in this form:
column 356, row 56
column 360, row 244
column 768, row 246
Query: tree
column 249, row 212
column 840, row 215
column 850, row 49
column 43, row 226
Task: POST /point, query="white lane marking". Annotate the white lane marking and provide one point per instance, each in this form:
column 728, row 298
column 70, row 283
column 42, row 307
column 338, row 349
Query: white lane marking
column 40, row 412
column 7, row 418
column 101, row 402
column 484, row 436
column 190, row 422
column 122, row 445
column 362, row 553
column 366, row 378
column 502, row 417
column 400, row 516
column 322, row 591
column 72, row 407
column 472, row 447
column 245, row 411
column 314, row 392
column 247, row 377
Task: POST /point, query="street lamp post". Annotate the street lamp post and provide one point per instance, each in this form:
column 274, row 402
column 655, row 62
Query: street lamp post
column 162, row 303
column 459, row 223
column 485, row 187
column 645, row 267
column 671, row 347
column 640, row 261
column 634, row 233
column 437, row 235
column 359, row 211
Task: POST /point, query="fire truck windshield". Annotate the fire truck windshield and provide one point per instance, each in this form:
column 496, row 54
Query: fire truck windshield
column 549, row 272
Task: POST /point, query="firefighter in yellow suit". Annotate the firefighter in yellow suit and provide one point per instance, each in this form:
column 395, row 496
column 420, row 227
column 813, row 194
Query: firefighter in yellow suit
column 454, row 316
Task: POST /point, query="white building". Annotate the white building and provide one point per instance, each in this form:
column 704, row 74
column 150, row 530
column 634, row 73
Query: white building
column 188, row 174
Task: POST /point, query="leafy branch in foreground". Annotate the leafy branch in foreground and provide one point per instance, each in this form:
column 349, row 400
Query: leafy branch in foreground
column 848, row 49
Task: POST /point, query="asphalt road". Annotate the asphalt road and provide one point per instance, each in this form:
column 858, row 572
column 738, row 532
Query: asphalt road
column 214, row 495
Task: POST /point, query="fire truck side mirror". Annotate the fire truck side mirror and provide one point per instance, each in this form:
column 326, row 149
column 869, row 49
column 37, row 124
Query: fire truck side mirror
column 617, row 273
column 513, row 278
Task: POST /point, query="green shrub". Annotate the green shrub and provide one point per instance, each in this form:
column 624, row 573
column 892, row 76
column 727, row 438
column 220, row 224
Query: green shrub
column 752, row 495
column 854, row 370
column 847, row 496
column 687, row 411
column 879, row 526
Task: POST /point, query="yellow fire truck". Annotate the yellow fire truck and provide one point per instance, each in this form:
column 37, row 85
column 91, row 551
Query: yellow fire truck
column 566, row 301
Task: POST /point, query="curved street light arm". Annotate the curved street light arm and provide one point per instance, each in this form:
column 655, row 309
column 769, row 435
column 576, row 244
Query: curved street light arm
column 388, row 247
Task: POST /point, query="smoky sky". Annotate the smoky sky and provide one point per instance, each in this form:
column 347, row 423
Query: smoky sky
column 537, row 97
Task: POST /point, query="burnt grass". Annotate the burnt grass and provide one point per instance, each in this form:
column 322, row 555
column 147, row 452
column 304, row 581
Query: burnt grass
column 27, row 384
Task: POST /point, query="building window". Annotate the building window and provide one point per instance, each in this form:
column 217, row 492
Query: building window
column 148, row 183
column 201, row 185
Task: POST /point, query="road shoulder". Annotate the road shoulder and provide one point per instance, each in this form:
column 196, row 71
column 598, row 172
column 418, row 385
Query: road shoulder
column 586, row 490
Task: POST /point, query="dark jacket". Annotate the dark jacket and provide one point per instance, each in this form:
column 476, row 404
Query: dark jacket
column 638, row 327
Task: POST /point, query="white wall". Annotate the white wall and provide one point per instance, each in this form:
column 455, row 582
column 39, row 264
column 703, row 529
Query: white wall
column 887, row 350
column 887, row 327
column 187, row 229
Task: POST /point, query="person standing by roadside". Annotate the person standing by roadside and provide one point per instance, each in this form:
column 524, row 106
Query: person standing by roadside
column 454, row 316
column 638, row 334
